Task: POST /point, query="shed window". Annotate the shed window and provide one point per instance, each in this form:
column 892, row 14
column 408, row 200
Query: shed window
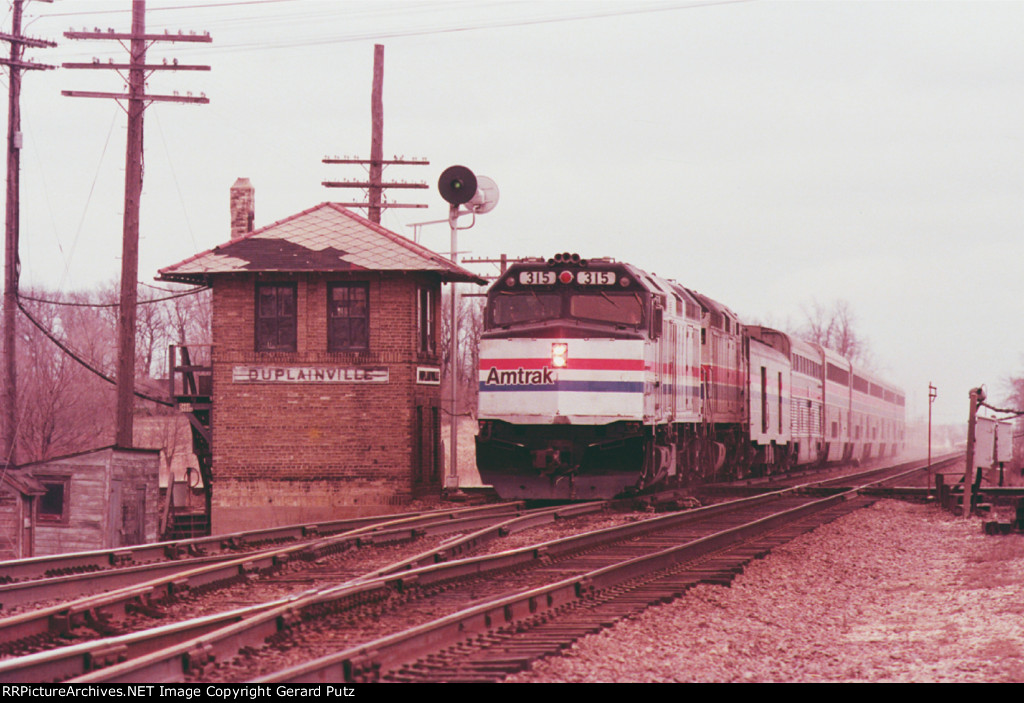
column 53, row 505
column 348, row 317
column 275, row 317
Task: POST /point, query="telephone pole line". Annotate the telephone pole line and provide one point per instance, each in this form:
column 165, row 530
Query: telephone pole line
column 15, row 65
column 137, row 100
column 503, row 261
column 375, row 185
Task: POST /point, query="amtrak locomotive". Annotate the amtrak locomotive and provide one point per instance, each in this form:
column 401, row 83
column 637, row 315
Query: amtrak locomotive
column 598, row 379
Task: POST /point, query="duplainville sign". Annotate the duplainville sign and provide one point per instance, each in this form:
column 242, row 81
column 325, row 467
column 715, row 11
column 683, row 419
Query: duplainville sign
column 309, row 374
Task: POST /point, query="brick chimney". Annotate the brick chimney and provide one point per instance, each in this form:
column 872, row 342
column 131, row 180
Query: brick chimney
column 243, row 208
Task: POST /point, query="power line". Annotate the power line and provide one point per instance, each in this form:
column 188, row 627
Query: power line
column 74, row 355
column 164, row 9
column 73, row 304
column 316, row 18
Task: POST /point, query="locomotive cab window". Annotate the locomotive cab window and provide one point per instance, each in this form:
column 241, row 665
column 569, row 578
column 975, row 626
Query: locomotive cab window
column 513, row 308
column 616, row 308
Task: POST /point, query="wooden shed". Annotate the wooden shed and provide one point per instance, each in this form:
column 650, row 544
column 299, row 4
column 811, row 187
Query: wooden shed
column 19, row 493
column 97, row 499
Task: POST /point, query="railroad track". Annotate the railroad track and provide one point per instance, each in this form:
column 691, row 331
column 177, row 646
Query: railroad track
column 299, row 567
column 36, row 579
column 114, row 594
column 569, row 586
column 34, row 568
column 488, row 641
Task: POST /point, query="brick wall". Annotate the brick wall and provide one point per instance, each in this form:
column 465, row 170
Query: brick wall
column 280, row 448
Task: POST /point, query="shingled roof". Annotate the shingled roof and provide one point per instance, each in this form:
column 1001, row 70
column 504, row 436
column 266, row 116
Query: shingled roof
column 327, row 237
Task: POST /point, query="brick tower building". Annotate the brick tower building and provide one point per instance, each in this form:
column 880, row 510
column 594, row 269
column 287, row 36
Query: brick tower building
column 323, row 395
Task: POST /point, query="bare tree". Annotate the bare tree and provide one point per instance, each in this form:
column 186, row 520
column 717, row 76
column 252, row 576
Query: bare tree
column 65, row 407
column 470, row 322
column 835, row 328
column 190, row 319
column 471, row 325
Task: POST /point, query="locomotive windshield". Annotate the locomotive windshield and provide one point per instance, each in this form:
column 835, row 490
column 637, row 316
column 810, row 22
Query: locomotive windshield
column 513, row 308
column 616, row 308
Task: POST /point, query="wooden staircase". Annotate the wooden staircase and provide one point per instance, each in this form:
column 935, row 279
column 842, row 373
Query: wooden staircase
column 191, row 389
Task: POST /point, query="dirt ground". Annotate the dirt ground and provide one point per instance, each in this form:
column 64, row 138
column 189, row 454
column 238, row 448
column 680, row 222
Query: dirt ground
column 466, row 450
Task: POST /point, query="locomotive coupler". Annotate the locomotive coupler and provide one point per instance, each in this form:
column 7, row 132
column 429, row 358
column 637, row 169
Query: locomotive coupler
column 552, row 461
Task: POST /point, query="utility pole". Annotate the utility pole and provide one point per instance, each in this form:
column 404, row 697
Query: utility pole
column 933, row 393
column 15, row 65
column 377, row 134
column 375, row 185
column 137, row 100
column 977, row 396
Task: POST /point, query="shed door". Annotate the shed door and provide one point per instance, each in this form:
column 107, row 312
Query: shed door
column 114, row 537
column 133, row 516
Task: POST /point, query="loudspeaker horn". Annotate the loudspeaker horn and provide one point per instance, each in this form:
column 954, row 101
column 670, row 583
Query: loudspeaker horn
column 486, row 196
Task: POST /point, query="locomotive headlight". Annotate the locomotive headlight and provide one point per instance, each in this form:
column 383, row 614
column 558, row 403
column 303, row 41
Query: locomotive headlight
column 559, row 354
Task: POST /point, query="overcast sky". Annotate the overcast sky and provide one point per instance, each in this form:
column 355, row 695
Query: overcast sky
column 768, row 154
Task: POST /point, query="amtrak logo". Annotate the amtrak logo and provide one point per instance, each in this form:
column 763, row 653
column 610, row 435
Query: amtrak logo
column 520, row 377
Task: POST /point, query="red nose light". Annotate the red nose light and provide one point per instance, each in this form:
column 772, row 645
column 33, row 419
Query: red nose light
column 565, row 276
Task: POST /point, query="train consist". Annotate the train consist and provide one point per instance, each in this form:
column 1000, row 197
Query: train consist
column 598, row 379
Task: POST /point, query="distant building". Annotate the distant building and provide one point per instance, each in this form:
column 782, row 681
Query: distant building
column 322, row 393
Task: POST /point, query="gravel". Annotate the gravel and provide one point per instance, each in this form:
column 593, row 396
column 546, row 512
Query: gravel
column 895, row 592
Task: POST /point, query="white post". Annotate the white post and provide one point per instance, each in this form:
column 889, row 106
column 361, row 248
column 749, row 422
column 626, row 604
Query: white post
column 453, row 363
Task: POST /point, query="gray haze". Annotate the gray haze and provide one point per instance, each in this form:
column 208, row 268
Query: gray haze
column 768, row 154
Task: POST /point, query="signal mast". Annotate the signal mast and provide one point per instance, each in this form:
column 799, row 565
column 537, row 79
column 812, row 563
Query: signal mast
column 460, row 186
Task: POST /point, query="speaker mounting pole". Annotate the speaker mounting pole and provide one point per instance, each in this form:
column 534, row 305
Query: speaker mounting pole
column 460, row 186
